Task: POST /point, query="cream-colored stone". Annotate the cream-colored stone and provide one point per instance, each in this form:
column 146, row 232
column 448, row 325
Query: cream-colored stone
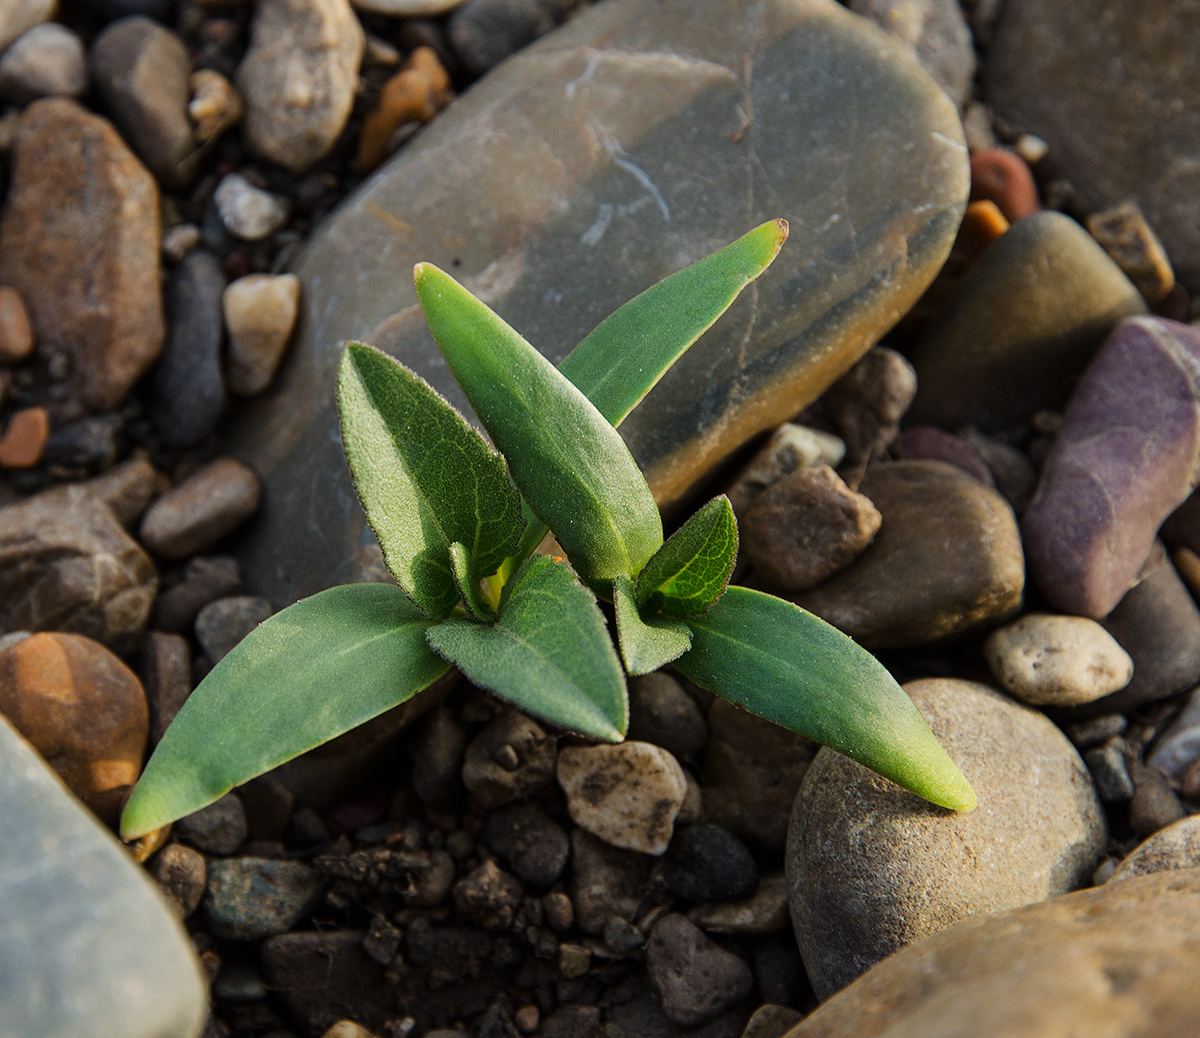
column 260, row 313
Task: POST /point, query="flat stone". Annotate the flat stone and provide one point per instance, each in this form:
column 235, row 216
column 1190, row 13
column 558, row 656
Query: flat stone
column 1048, row 969
column 201, row 510
column 79, row 239
column 205, row 579
column 927, row 443
column 872, row 868
column 1175, row 847
column 260, row 313
column 68, row 565
column 83, row 710
column 771, row 1021
column 1154, row 805
column 947, row 558
column 220, row 828
column 620, row 207
column 696, row 980
column 1114, row 784
column 46, row 61
column 788, row 448
column 1049, row 660
column 88, row 946
column 485, row 32
column 142, row 71
column 628, row 794
column 166, row 672
column 252, row 898
column 1044, row 76
column 298, row 78
column 533, row 843
column 1020, row 326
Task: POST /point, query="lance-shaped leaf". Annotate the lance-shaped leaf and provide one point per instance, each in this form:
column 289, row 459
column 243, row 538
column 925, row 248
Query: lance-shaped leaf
column 426, row 478
column 570, row 464
column 646, row 644
column 466, row 577
column 788, row 666
column 311, row 672
column 630, row 350
column 690, row 571
column 548, row 652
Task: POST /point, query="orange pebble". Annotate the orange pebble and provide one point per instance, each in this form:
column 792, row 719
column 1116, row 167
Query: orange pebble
column 16, row 333
column 25, row 439
column 414, row 94
column 1003, row 177
column 982, row 224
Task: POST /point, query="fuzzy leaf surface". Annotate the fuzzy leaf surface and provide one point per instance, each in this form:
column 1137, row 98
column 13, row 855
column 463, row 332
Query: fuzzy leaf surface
column 548, row 652
column 426, row 478
column 623, row 358
column 466, row 578
column 788, row 666
column 691, row 570
column 646, row 644
column 309, row 673
column 568, row 461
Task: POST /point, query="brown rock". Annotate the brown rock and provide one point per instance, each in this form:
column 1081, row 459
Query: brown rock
column 696, row 980
column 82, row 709
column 215, row 105
column 1001, row 176
column 866, row 404
column 25, row 438
column 79, row 239
column 806, row 527
column 16, row 333
column 489, row 896
column 414, row 94
column 201, row 510
column 127, row 488
column 181, row 872
column 509, row 759
column 605, row 881
column 947, row 558
column 166, row 668
column 1135, row 248
column 66, row 564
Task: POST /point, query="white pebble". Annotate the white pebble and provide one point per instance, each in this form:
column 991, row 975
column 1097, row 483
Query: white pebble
column 249, row 212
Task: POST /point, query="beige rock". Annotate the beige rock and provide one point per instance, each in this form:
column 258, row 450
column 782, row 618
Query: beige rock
column 771, row 1021
column 628, row 795
column 18, row 16
column 201, row 510
column 1175, row 847
column 407, row 8
column 872, row 868
column 16, row 333
column 298, row 78
column 82, row 709
column 1120, row 961
column 1057, row 660
column 215, row 105
column 260, row 313
column 79, row 239
column 348, row 1029
column 790, row 447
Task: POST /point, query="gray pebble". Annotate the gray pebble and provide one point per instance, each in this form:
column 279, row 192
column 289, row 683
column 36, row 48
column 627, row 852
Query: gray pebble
column 662, row 713
column 1086, row 734
column 1154, row 805
column 252, row 898
column 509, row 759
column 248, row 212
column 533, row 843
column 219, row 828
column 696, row 980
column 238, row 983
column 166, row 673
column 201, row 510
column 205, row 579
column 89, row 444
column 437, row 760
column 46, row 61
column 485, row 32
column 706, row 862
column 222, row 624
column 1176, row 846
column 1109, row 772
column 181, row 873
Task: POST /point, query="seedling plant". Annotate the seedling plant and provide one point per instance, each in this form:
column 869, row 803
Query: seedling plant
column 459, row 522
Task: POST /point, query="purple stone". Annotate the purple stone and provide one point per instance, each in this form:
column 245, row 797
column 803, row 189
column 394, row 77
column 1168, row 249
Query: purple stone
column 1125, row 459
column 927, row 443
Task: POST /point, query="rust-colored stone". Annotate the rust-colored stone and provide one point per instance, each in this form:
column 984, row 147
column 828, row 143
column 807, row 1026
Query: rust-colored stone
column 25, row 438
column 16, row 333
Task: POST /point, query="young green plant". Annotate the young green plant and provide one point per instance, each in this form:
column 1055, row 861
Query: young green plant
column 458, row 522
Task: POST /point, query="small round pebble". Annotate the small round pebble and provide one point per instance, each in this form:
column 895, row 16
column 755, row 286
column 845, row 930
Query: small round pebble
column 181, row 873
column 220, row 828
column 16, row 331
column 1003, row 177
column 215, row 105
column 251, row 898
column 24, row 440
column 1110, row 773
column 47, row 61
column 201, row 510
column 248, row 212
column 260, row 312
column 1154, row 805
column 1052, row 660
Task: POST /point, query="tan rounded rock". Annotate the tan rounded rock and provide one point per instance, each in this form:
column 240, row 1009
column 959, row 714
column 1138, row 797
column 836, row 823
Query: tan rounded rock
column 628, row 795
column 201, row 510
column 260, row 313
column 25, row 438
column 82, row 709
column 1057, row 660
column 1175, row 847
column 16, row 333
column 215, row 105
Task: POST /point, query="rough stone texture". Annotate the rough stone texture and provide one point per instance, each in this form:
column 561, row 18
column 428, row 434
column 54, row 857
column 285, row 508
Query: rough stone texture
column 926, row 443
column 47, row 61
column 201, row 510
column 215, row 105
column 872, row 867
column 1175, row 847
column 88, row 947
column 752, row 770
column 628, row 794
column 488, row 896
column 223, row 623
column 1074, row 73
column 1114, row 785
column 806, row 527
column 706, row 862
column 1179, row 745
column 1020, row 326
column 1057, row 660
column 1125, row 459
column 661, row 712
column 696, row 980
column 485, row 32
column 298, row 78
column 789, row 447
column 252, row 898
column 1131, row 242
column 947, row 558
column 79, row 239
column 1154, row 805
column 763, row 912
column 532, row 842
column 182, row 874
column 260, row 312
column 866, row 404
column 142, row 69
column 484, row 771
column 605, row 881
column 19, row 16
column 66, row 564
column 82, row 709
column 220, row 828
column 1119, row 961
column 205, row 579
column 649, row 125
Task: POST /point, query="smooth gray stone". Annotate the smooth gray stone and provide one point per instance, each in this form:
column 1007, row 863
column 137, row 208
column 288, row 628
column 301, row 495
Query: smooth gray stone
column 614, row 151
column 88, row 947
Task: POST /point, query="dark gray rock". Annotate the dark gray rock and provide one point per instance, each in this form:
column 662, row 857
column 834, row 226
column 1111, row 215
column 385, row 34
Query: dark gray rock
column 662, row 713
column 252, row 898
column 205, row 579
column 1109, row 772
column 90, row 444
column 706, row 862
column 488, row 896
column 437, row 761
column 219, row 828
column 88, row 947
column 189, row 384
column 696, row 980
column 534, row 844
column 605, row 881
column 621, row 207
column 485, row 32
column 1154, row 805
column 166, row 673
column 220, row 625
column 509, row 759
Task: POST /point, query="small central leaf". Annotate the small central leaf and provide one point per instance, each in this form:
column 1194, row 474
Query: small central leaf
column 646, row 644
column 689, row 573
column 548, row 652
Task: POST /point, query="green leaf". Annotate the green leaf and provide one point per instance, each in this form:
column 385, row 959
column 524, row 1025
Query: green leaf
column 689, row 573
column 311, row 672
column 548, row 652
column 629, row 351
column 426, row 478
column 570, row 464
column 466, row 578
column 647, row 644
column 788, row 666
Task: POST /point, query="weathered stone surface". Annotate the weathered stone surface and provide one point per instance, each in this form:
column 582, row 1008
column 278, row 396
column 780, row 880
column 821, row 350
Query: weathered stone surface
column 509, row 759
column 252, row 898
column 947, row 558
column 696, row 980
column 661, row 712
column 1125, row 459
column 1020, row 326
column 927, row 443
column 79, row 239
column 142, row 69
column 47, row 61
column 224, row 622
column 298, row 78
column 789, row 447
column 1135, row 248
column 1052, row 71
column 605, row 881
column 872, row 867
column 88, row 947
column 1175, row 847
column 485, row 32
column 763, row 912
column 215, row 105
column 182, row 873
column 66, row 564
column 1119, row 961
column 201, row 510
column 637, row 162
column 866, row 404
column 1179, row 745
column 83, row 710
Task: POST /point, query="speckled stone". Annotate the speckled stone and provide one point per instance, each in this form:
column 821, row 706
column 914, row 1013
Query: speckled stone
column 620, row 207
column 1175, row 847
